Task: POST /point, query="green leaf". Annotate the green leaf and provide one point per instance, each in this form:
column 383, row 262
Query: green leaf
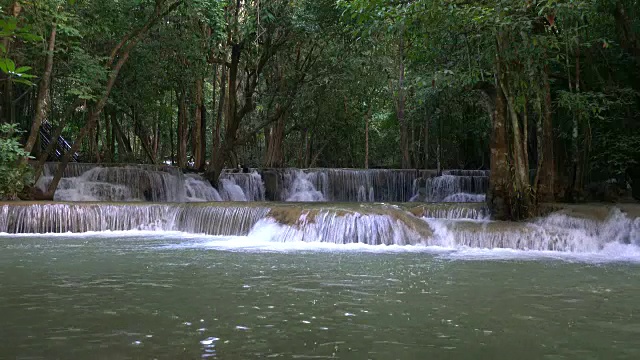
column 23, row 69
column 23, row 81
column 4, row 65
column 11, row 66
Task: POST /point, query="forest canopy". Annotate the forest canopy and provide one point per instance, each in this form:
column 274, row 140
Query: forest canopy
column 544, row 93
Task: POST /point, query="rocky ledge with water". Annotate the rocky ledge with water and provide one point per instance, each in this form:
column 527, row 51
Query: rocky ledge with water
column 114, row 182
column 572, row 228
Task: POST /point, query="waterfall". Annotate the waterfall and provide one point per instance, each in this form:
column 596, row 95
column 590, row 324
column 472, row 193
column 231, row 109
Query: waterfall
column 89, row 182
column 251, row 185
column 452, row 186
column 303, row 189
column 443, row 225
column 341, row 228
column 230, row 191
column 351, row 185
column 78, row 218
column 198, row 189
column 452, row 211
column 459, row 172
column 217, row 220
column 557, row 232
column 465, row 198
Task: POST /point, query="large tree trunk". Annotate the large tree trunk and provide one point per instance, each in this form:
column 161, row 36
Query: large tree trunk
column 400, row 109
column 42, row 103
column 142, row 134
column 576, row 164
column 547, row 175
column 498, row 193
column 367, row 119
column 215, row 148
column 231, row 118
column 275, row 145
column 426, row 139
column 124, row 145
column 198, row 130
column 182, row 131
column 108, row 144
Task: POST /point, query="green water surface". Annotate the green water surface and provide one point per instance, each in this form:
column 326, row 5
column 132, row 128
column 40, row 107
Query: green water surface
column 146, row 297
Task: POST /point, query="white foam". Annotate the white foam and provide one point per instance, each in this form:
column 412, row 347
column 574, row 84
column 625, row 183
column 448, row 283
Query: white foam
column 260, row 240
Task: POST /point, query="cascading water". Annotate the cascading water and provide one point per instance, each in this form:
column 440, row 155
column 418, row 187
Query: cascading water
column 465, row 198
column 198, row 189
column 230, row 191
column 78, row 218
column 90, row 182
column 452, row 211
column 303, row 189
column 350, row 185
column 453, row 186
column 444, row 225
column 250, row 184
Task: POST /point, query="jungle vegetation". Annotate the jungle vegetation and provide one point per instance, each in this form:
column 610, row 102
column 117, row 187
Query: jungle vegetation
column 544, row 93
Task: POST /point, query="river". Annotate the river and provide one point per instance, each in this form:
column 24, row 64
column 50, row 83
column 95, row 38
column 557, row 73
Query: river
column 171, row 295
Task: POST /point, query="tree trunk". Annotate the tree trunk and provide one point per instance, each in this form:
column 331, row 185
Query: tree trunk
column 197, row 126
column 215, row 149
column 108, row 146
column 426, row 140
column 367, row 119
column 547, row 176
column 231, row 117
column 577, row 166
column 123, row 141
column 499, row 181
column 171, row 132
column 274, row 155
column 182, row 131
column 400, row 109
column 42, row 104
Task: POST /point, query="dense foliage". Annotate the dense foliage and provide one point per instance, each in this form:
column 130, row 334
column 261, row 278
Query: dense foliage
column 15, row 173
column 545, row 92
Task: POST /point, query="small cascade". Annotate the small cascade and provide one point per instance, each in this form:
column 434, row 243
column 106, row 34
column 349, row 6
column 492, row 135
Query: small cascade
column 250, row 183
column 78, row 218
column 459, row 172
column 230, row 191
column 340, row 228
column 465, row 198
column 353, row 185
column 444, row 225
column 73, row 169
column 302, row 189
column 89, row 182
column 218, row 220
column 199, row 189
column 557, row 232
column 452, row 186
column 452, row 212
